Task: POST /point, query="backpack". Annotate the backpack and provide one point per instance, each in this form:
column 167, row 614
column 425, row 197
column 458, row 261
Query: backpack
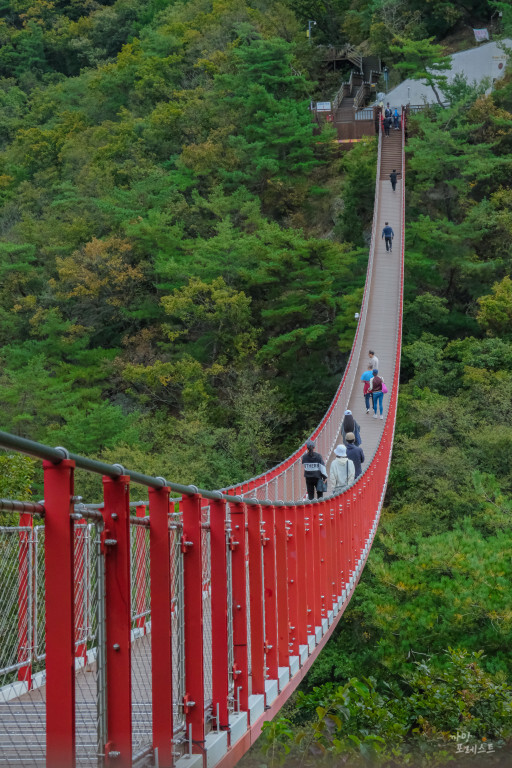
column 377, row 384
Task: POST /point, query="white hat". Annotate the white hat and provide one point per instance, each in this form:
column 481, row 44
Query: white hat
column 348, row 413
column 340, row 450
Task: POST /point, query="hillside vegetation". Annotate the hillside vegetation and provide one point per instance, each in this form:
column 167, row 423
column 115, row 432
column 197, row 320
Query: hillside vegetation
column 180, row 263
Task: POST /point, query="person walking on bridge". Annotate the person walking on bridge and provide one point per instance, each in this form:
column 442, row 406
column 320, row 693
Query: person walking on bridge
column 388, row 235
column 393, row 176
column 314, row 470
column 354, row 453
column 349, row 424
column 342, row 472
column 376, row 389
column 374, row 360
column 365, row 378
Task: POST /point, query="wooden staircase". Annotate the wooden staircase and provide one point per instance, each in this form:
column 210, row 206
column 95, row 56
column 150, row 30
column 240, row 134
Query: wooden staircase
column 345, row 112
column 391, row 157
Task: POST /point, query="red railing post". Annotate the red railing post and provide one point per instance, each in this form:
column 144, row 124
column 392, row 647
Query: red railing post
column 194, row 640
column 255, row 542
column 283, row 623
column 219, row 570
column 270, row 591
column 25, row 599
column 302, row 577
column 161, row 606
column 293, row 594
column 140, row 568
column 238, row 567
column 115, row 541
column 60, row 614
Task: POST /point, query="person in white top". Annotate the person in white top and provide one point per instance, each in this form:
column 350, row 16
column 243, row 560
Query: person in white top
column 342, row 471
column 373, row 359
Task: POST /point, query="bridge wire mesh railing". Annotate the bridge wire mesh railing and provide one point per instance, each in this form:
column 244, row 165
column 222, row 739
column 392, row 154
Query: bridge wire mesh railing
column 230, row 649
column 22, row 693
column 90, row 639
column 207, row 616
column 177, row 628
column 141, row 659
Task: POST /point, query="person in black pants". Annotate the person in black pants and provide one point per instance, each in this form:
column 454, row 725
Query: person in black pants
column 393, row 176
column 314, row 470
column 387, row 125
column 388, row 234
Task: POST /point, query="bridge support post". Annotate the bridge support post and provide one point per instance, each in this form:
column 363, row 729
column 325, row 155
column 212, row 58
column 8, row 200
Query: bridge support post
column 60, row 614
column 116, row 548
column 194, row 641
column 161, row 626
column 293, row 594
column 270, row 591
column 220, row 672
column 255, row 542
column 283, row 623
column 238, row 564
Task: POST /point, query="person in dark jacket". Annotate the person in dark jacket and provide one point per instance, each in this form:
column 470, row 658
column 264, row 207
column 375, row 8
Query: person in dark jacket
column 314, row 470
column 393, row 176
column 388, row 235
column 354, row 453
column 387, row 125
column 349, row 424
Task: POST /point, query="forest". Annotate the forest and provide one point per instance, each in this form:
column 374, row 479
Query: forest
column 181, row 257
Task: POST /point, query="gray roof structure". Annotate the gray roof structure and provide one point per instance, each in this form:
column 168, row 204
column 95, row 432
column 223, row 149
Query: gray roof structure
column 476, row 64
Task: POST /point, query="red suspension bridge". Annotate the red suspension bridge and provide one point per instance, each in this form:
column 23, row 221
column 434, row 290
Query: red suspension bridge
column 165, row 633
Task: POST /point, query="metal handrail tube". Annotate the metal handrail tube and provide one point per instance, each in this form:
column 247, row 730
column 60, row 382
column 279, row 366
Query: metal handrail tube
column 23, row 507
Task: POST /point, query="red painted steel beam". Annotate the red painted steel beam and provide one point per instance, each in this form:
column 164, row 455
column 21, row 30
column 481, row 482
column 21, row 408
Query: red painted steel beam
column 238, row 566
column 116, row 547
column 270, row 592
column 60, row 614
column 254, row 540
column 283, row 623
column 220, row 672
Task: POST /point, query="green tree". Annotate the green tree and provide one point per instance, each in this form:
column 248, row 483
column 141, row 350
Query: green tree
column 423, row 60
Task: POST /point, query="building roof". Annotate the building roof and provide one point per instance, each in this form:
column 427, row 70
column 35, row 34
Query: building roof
column 485, row 61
